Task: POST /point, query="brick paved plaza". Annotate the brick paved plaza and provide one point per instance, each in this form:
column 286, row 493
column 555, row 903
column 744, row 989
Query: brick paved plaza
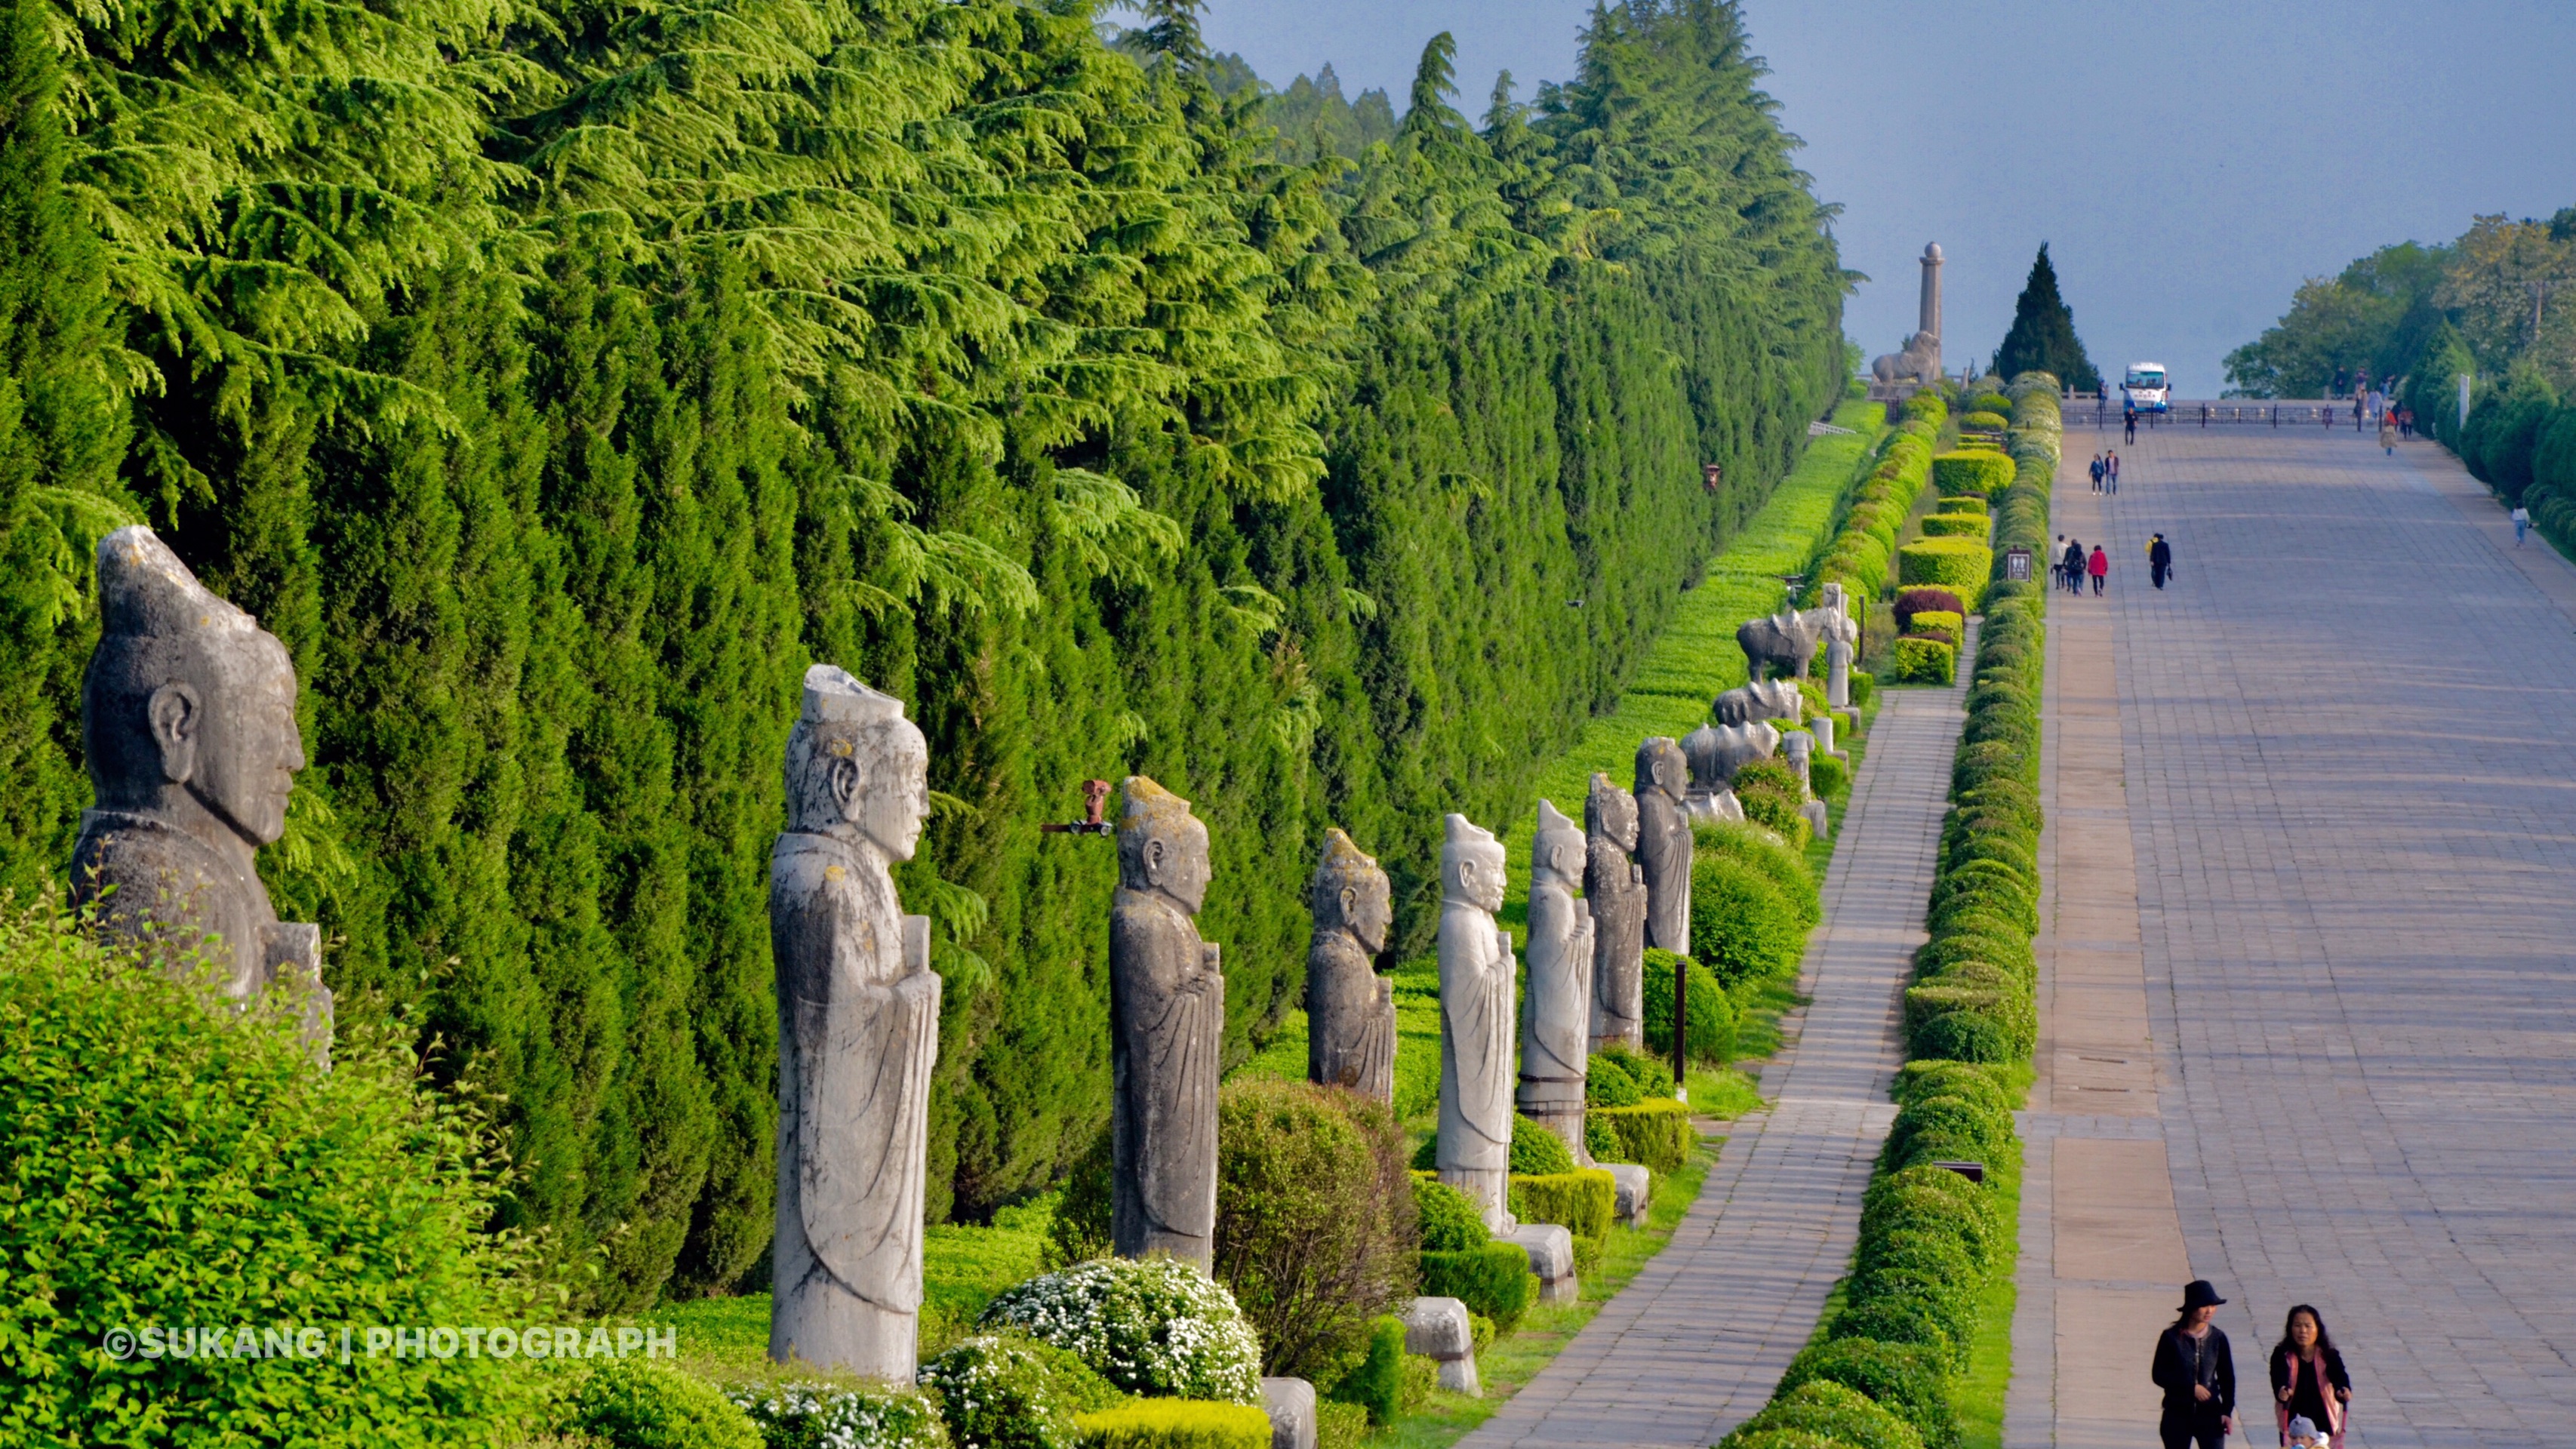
column 2312, row 824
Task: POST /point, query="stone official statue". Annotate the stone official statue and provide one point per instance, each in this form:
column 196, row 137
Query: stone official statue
column 188, row 719
column 1166, row 1033
column 1614, row 886
column 1664, row 842
column 1477, row 985
column 1556, row 1016
column 858, row 1032
column 1350, row 1009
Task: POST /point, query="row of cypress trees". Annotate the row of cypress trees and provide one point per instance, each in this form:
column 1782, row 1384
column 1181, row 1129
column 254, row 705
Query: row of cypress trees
column 558, row 379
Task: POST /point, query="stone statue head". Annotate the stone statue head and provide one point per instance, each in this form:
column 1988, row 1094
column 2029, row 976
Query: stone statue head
column 1351, row 892
column 1611, row 813
column 856, row 768
column 1162, row 846
column 1471, row 865
column 1661, row 767
column 1558, row 849
column 188, row 710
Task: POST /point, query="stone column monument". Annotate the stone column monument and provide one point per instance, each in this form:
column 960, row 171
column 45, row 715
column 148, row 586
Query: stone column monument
column 1664, row 842
column 1477, row 984
column 1920, row 362
column 1556, row 1016
column 1614, row 886
column 858, row 1032
column 1838, row 663
column 1350, row 1009
column 188, row 720
column 1166, row 1033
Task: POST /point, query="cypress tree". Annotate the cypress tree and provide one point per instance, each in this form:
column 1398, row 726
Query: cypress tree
column 2043, row 337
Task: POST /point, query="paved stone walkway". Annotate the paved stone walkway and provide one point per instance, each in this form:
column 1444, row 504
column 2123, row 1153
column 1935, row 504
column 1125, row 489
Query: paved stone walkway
column 1697, row 1341
column 2347, row 780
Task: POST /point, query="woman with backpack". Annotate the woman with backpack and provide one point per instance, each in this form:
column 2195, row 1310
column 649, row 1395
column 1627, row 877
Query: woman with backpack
column 2308, row 1378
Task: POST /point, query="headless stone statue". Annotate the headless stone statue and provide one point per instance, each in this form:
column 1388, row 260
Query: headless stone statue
column 1759, row 699
column 188, row 719
column 1715, row 753
column 1838, row 663
column 858, row 1032
column 1556, row 1015
column 1166, row 1033
column 1350, row 1009
column 1614, row 886
column 1477, row 981
column 1664, row 843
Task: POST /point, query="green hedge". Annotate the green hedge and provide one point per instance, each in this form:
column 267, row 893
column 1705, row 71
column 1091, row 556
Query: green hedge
column 1175, row 1424
column 1957, row 525
column 1983, row 422
column 1656, row 1133
column 1907, row 1381
column 1585, row 1202
column 1957, row 564
column 1712, row 1015
column 1376, row 1384
column 1942, row 622
column 1859, row 555
column 1493, row 1280
column 1974, row 472
column 1828, row 1414
column 1913, row 660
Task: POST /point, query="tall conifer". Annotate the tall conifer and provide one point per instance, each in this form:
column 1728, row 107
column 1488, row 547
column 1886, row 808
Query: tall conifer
column 2043, row 336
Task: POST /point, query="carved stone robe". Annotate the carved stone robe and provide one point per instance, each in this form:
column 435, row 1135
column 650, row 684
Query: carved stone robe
column 1167, row 1034
column 1556, row 1027
column 1477, row 1024
column 1350, row 1018
column 1614, row 887
column 1664, row 848
column 858, row 1033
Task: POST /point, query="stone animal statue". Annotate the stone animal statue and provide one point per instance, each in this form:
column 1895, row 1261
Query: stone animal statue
column 1556, row 1016
column 1478, row 983
column 1166, row 1034
column 1759, row 699
column 1716, row 752
column 1920, row 362
column 1614, row 886
column 1350, row 1009
column 1664, row 842
column 188, row 722
column 1781, row 644
column 858, row 1034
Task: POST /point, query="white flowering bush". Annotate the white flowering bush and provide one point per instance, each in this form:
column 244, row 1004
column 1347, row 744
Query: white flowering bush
column 1158, row 1327
column 838, row 1416
column 1002, row 1391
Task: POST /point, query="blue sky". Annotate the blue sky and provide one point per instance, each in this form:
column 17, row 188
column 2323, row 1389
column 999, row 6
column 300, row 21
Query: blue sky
column 2187, row 162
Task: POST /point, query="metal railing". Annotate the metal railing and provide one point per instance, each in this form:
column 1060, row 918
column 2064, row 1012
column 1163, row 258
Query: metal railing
column 2091, row 413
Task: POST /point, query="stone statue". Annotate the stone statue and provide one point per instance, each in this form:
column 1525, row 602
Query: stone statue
column 1715, row 753
column 1798, row 748
column 1664, row 843
column 1757, row 700
column 188, row 719
column 1838, row 664
column 1781, row 644
column 858, row 1032
column 1556, row 1016
column 1614, row 886
column 1166, row 1033
column 1477, row 984
column 1920, row 362
column 1350, row 1009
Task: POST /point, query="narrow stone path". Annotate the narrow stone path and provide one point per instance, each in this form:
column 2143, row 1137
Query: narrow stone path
column 2346, row 776
column 1696, row 1342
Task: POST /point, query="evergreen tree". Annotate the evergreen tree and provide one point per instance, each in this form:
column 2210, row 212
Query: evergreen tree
column 2043, row 337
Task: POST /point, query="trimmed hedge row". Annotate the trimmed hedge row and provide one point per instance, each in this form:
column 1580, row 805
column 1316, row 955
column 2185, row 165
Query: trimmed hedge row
column 1973, row 472
column 1931, row 1241
column 1859, row 555
column 1655, row 1134
column 1957, row 564
column 1585, row 1202
column 1922, row 659
column 1956, row 525
column 1175, row 1424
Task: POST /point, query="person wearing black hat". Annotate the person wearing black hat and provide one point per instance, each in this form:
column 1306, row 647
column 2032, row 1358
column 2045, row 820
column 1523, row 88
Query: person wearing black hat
column 2197, row 1373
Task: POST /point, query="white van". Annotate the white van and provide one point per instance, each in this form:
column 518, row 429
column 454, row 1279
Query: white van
column 2144, row 389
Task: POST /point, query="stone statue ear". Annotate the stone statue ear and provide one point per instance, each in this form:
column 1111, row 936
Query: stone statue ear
column 176, row 715
column 1350, row 902
column 1153, row 862
column 844, row 783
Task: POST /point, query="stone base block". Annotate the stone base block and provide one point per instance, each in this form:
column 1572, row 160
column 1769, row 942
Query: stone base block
column 1290, row 1403
column 1437, row 1329
column 1816, row 820
column 1551, row 1257
column 1458, row 1376
column 1636, row 1189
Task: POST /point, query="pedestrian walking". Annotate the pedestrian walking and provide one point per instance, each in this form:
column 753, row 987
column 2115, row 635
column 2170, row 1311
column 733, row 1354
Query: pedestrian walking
column 2097, row 472
column 2129, row 420
column 2111, row 470
column 2075, row 565
column 2387, row 436
column 2100, row 568
column 2406, row 424
column 2308, row 1380
column 2159, row 559
column 2197, row 1373
column 2057, row 563
column 2521, row 523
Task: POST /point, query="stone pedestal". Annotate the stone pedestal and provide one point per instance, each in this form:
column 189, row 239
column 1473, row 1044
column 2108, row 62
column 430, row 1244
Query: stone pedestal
column 1636, row 1190
column 1817, row 819
column 1551, row 1256
column 1437, row 1329
column 1822, row 727
column 1798, row 748
column 1290, row 1403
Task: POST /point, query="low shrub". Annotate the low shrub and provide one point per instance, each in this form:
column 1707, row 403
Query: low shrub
column 1957, row 564
column 1965, row 1036
column 1177, row 1424
column 1156, row 1327
column 1906, row 1381
column 1827, row 776
column 1315, row 1232
column 1910, row 602
column 637, row 1405
column 1983, row 422
column 1778, row 810
column 1004, row 1391
column 827, row 1416
column 1771, row 774
column 1607, row 1084
column 1584, row 1202
column 1340, row 1426
column 1990, row 402
column 1926, row 407
column 1494, row 1280
column 1537, row 1152
column 1711, row 1015
column 1831, row 1412
column 1653, row 1073
column 1655, row 1134
column 1863, row 685
column 1932, row 1077
column 1941, row 624
column 1744, row 928
column 1889, row 1319
column 1920, row 659
column 1973, row 471
column 1956, row 525
column 1449, row 1222
column 1376, row 1382
column 1967, row 504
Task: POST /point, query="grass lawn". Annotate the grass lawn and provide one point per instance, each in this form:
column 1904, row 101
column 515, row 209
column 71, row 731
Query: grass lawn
column 1980, row 1392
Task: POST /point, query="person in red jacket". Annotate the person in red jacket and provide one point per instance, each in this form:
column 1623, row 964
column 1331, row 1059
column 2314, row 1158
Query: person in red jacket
column 2099, row 568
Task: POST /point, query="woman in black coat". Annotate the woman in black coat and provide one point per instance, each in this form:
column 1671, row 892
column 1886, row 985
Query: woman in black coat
column 2198, row 1374
column 2308, row 1380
